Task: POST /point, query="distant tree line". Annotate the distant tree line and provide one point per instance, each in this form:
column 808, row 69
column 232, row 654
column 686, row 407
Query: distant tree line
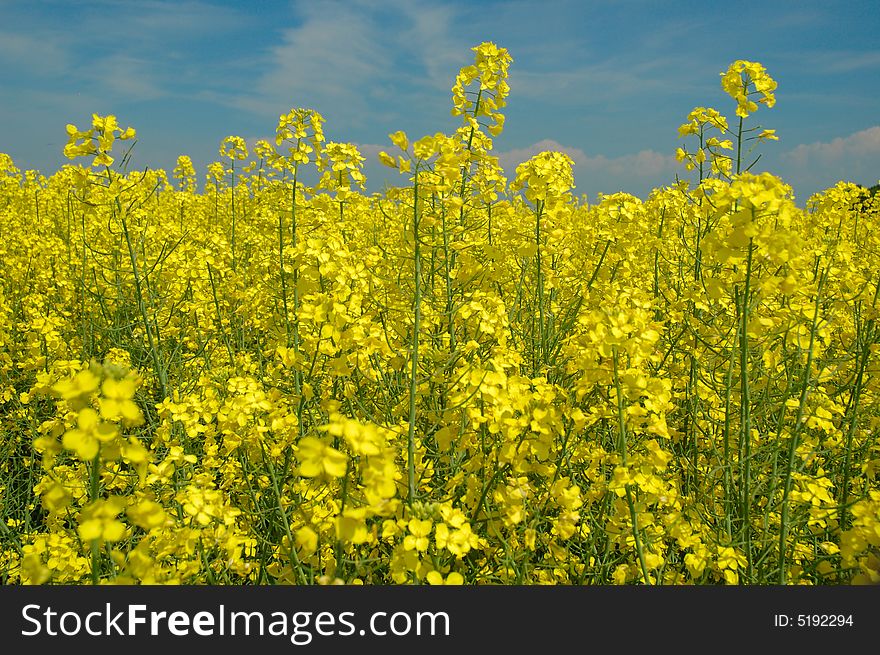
column 868, row 198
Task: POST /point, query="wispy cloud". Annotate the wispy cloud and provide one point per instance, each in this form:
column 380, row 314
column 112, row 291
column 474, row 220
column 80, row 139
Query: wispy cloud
column 310, row 61
column 182, row 19
column 844, row 61
column 357, row 62
column 127, row 26
column 439, row 50
column 602, row 77
column 127, row 77
column 135, row 51
column 613, row 80
column 33, row 54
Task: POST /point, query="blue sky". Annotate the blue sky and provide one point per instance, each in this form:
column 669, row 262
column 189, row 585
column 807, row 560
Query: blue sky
column 607, row 82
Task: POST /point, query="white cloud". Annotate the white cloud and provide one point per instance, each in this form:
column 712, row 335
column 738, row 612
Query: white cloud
column 646, row 163
column 635, row 173
column 811, row 167
column 370, row 151
column 510, row 159
column 858, row 145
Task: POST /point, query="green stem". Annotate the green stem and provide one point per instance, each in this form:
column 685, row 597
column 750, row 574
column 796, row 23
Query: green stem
column 283, row 277
column 417, row 315
column 746, row 413
column 728, row 491
column 232, row 188
column 621, row 446
column 850, row 432
column 852, row 410
column 285, row 523
column 297, row 374
column 793, row 444
column 154, row 350
column 219, row 317
column 739, row 134
column 540, row 279
column 94, row 490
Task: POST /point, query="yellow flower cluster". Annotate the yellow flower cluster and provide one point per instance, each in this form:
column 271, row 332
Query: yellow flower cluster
column 747, row 78
column 457, row 381
column 97, row 140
